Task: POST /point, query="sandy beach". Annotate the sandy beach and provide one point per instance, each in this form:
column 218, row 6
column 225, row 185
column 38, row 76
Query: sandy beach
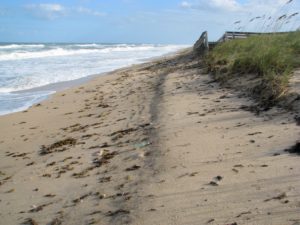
column 160, row 143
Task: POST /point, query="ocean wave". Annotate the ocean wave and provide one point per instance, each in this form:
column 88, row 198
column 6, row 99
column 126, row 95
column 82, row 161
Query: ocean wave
column 14, row 102
column 87, row 45
column 17, row 46
column 53, row 63
column 41, row 54
column 60, row 51
column 94, row 45
column 23, row 83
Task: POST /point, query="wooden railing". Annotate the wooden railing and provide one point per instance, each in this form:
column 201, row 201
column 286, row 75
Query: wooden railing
column 201, row 46
column 229, row 35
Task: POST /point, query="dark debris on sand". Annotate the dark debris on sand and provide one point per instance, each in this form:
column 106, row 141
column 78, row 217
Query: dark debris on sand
column 117, row 212
column 29, row 221
column 57, row 146
column 294, row 149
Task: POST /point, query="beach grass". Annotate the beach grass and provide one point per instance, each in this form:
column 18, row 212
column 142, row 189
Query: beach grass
column 271, row 57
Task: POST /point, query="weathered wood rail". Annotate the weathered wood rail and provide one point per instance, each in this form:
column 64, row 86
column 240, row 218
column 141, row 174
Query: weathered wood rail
column 229, row 35
column 203, row 45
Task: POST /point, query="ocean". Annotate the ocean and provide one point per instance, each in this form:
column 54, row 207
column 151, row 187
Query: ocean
column 26, row 67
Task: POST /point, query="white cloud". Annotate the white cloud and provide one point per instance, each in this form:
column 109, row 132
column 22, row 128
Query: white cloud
column 223, row 5
column 229, row 5
column 47, row 10
column 88, row 11
column 185, row 4
column 51, row 7
column 253, row 15
column 55, row 11
column 254, row 6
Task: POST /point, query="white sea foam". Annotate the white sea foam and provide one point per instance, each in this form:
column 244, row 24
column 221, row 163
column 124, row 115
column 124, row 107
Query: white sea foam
column 88, row 45
column 59, row 51
column 16, row 46
column 41, row 54
column 15, row 102
column 24, row 67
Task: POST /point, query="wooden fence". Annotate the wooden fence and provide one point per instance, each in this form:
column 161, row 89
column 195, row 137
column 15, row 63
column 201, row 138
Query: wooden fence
column 229, row 35
column 203, row 45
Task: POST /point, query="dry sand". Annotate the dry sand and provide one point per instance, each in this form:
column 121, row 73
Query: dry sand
column 158, row 143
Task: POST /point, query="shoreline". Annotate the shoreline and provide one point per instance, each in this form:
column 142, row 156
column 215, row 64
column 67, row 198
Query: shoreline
column 52, row 89
column 63, row 85
column 155, row 143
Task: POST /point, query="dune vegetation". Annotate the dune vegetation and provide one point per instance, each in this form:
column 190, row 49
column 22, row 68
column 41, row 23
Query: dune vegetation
column 270, row 57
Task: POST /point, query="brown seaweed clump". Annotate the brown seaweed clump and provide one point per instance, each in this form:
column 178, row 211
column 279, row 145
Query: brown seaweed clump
column 58, row 146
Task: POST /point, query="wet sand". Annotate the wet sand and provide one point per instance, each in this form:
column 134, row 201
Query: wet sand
column 157, row 143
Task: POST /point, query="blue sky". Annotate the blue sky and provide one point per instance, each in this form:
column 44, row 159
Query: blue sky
column 137, row 21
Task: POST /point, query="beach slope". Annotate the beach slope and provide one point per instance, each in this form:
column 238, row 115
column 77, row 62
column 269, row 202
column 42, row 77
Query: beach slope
column 156, row 143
